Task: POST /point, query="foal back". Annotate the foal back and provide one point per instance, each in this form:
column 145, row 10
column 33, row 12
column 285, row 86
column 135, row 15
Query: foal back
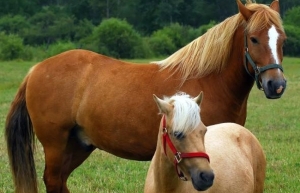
column 237, row 159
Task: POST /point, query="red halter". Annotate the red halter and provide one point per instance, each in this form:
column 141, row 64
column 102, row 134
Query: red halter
column 178, row 155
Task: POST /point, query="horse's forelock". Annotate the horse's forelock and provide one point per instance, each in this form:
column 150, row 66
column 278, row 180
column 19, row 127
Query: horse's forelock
column 262, row 18
column 186, row 114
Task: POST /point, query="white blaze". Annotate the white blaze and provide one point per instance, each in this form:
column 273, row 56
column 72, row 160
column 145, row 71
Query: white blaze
column 273, row 37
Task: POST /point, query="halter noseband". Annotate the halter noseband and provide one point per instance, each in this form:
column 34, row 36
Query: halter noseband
column 178, row 156
column 257, row 70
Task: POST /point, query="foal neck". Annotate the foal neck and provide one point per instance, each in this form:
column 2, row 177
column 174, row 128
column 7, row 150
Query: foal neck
column 166, row 179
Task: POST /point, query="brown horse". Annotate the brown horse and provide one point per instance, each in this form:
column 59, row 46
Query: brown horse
column 237, row 158
column 79, row 100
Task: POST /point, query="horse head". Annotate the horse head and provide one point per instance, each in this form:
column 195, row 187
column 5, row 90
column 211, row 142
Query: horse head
column 183, row 138
column 263, row 40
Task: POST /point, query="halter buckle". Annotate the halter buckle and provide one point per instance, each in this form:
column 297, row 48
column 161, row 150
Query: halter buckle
column 178, row 157
column 183, row 178
column 256, row 70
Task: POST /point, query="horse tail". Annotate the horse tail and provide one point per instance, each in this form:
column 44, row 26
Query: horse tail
column 20, row 143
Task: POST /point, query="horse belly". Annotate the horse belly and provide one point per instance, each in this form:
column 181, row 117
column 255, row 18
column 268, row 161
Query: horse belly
column 117, row 117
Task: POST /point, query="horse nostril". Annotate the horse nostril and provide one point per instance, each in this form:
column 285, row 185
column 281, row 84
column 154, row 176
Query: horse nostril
column 270, row 84
column 277, row 87
column 207, row 176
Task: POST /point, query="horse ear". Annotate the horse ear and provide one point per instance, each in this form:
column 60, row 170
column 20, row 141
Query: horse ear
column 199, row 98
column 275, row 6
column 162, row 105
column 246, row 13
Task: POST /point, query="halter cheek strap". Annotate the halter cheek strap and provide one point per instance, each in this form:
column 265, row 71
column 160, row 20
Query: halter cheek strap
column 178, row 156
column 257, row 70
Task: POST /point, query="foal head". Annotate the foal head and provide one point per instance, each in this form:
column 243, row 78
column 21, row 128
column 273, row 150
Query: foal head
column 182, row 135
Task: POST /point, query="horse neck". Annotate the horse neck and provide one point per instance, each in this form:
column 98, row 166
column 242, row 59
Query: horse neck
column 234, row 80
column 165, row 176
column 242, row 79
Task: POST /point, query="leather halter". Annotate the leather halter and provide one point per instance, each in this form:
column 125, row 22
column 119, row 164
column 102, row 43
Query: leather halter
column 257, row 70
column 178, row 156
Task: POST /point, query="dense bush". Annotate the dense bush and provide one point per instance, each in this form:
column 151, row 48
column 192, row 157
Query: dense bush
column 12, row 48
column 13, row 24
column 292, row 16
column 83, row 29
column 204, row 28
column 292, row 30
column 116, row 38
column 292, row 44
column 59, row 47
column 49, row 26
column 112, row 37
column 161, row 44
column 178, row 34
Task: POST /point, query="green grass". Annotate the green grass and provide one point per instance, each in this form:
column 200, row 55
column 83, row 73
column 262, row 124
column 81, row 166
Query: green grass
column 274, row 122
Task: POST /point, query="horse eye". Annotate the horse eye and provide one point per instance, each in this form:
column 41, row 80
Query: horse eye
column 178, row 135
column 254, row 40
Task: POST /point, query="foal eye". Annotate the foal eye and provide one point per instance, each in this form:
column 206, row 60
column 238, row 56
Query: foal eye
column 254, row 40
column 178, row 135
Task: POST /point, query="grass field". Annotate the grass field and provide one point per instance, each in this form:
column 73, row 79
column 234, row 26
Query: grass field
column 275, row 123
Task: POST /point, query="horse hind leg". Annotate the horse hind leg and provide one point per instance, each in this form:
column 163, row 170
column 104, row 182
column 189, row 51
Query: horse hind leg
column 77, row 151
column 62, row 160
column 64, row 151
column 54, row 149
column 56, row 141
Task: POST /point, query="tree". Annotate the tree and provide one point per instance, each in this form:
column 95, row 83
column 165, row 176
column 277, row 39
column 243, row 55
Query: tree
column 11, row 46
column 116, row 38
column 292, row 16
column 14, row 24
column 50, row 25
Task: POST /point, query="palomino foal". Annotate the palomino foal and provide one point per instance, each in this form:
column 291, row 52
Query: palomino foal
column 236, row 162
column 180, row 154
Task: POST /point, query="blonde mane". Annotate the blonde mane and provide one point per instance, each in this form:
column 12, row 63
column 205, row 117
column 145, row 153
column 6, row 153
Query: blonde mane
column 210, row 52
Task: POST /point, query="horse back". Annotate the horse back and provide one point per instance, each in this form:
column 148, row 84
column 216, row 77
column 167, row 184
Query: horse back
column 237, row 159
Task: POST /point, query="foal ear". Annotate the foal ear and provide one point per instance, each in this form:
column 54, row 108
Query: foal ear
column 162, row 105
column 246, row 13
column 199, row 98
column 275, row 6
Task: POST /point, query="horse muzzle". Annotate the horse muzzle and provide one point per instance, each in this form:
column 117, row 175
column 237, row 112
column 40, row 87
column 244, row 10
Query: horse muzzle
column 202, row 180
column 273, row 89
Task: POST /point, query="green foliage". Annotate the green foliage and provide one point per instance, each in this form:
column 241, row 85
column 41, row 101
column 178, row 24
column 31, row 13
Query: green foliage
column 292, row 16
column 15, row 24
column 292, row 44
column 117, row 38
column 48, row 26
column 12, row 47
column 143, row 50
column 42, row 23
column 59, row 47
column 204, row 28
column 178, row 34
column 161, row 44
column 83, row 29
column 173, row 37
